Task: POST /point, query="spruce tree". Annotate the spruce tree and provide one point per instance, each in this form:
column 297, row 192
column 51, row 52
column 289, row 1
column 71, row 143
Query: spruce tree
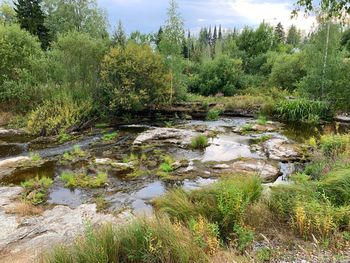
column 279, row 33
column 32, row 18
column 220, row 33
column 119, row 37
column 159, row 36
column 293, row 36
column 215, row 35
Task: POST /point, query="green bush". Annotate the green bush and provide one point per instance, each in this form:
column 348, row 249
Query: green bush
column 56, row 115
column 134, row 78
column 154, row 240
column 334, row 144
column 220, row 75
column 213, row 114
column 303, row 110
column 109, row 136
column 199, row 142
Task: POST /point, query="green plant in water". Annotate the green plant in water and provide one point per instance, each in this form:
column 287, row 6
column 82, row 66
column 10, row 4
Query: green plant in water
column 36, row 189
column 76, row 153
column 81, row 179
column 213, row 114
column 199, row 142
column 35, row 157
column 64, row 137
column 109, row 136
column 262, row 120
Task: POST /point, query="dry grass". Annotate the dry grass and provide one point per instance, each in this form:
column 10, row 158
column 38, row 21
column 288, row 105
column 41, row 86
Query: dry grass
column 24, row 209
column 5, row 117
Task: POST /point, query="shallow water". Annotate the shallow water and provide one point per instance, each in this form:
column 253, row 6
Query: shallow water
column 137, row 193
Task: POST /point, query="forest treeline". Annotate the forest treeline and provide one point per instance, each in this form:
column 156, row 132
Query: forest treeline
column 60, row 66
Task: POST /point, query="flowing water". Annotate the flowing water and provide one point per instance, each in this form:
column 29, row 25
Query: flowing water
column 137, row 193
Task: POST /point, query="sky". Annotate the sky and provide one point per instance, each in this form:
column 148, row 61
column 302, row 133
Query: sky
column 148, row 15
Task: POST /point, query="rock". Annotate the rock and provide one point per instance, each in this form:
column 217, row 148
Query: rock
column 342, row 118
column 166, row 135
column 119, row 167
column 266, row 170
column 180, row 164
column 24, row 240
column 11, row 132
column 281, row 150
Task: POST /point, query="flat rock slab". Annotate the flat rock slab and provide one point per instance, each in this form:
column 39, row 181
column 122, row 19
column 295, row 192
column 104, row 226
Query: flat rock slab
column 166, row 135
column 342, row 118
column 11, row 132
column 266, row 170
column 282, row 150
column 24, row 239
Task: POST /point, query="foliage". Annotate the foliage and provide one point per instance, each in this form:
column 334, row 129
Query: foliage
column 7, row 13
column 31, row 18
column 76, row 153
column 303, row 110
column 221, row 75
column 134, row 78
column 36, row 189
column 199, row 142
column 154, row 240
column 334, row 144
column 74, row 180
column 110, row 136
column 56, row 115
column 244, row 237
column 213, row 114
column 35, row 157
column 20, row 53
column 262, row 120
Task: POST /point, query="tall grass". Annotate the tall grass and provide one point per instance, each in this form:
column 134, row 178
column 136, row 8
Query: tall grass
column 154, row 240
column 303, row 110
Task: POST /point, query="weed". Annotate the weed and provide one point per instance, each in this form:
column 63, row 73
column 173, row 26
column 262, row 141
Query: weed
column 213, row 114
column 82, row 180
column 35, row 157
column 101, row 203
column 64, row 137
column 76, row 153
column 24, row 208
column 244, row 237
column 36, row 189
column 263, row 255
column 110, row 136
column 262, row 120
column 199, row 142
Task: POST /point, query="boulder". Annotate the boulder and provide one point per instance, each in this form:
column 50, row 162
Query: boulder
column 178, row 137
column 266, row 170
column 282, row 150
column 118, row 167
column 11, row 132
column 24, row 239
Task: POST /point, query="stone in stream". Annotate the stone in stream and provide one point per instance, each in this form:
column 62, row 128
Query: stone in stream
column 23, row 239
column 11, row 132
column 118, row 167
column 166, row 135
column 282, row 150
column 266, row 170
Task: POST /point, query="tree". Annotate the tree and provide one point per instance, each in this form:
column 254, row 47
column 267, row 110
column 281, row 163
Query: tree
column 279, row 33
column 323, row 63
column 293, row 36
column 119, row 36
column 220, row 33
column 345, row 39
column 7, row 13
column 20, row 53
column 332, row 8
column 159, row 37
column 31, row 18
column 220, row 75
column 75, row 15
column 134, row 78
column 75, row 58
column 171, row 48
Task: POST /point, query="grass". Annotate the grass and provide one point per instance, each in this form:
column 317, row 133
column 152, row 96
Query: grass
column 148, row 240
column 35, row 157
column 303, row 110
column 24, row 208
column 262, row 120
column 213, row 114
column 110, row 136
column 75, row 154
column 36, row 190
column 82, row 180
column 64, row 137
column 199, row 142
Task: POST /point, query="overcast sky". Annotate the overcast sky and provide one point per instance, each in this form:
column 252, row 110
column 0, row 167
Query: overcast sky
column 148, row 15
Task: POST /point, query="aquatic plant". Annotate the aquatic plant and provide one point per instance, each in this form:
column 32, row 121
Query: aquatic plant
column 64, row 137
column 81, row 179
column 213, row 114
column 262, row 120
column 76, row 153
column 199, row 142
column 109, row 136
column 35, row 157
column 36, row 189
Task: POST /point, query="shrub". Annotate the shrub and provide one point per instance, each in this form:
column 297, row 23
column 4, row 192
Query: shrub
column 109, row 136
column 213, row 114
column 244, row 237
column 35, row 157
column 82, row 180
column 76, row 153
column 154, row 240
column 56, row 115
column 220, row 75
column 303, row 110
column 36, row 189
column 199, row 142
column 262, row 120
column 334, row 144
column 134, row 78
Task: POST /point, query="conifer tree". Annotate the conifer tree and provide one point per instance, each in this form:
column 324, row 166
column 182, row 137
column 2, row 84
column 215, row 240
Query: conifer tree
column 220, row 33
column 293, row 36
column 279, row 33
column 215, row 36
column 119, row 37
column 32, row 18
column 159, row 36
